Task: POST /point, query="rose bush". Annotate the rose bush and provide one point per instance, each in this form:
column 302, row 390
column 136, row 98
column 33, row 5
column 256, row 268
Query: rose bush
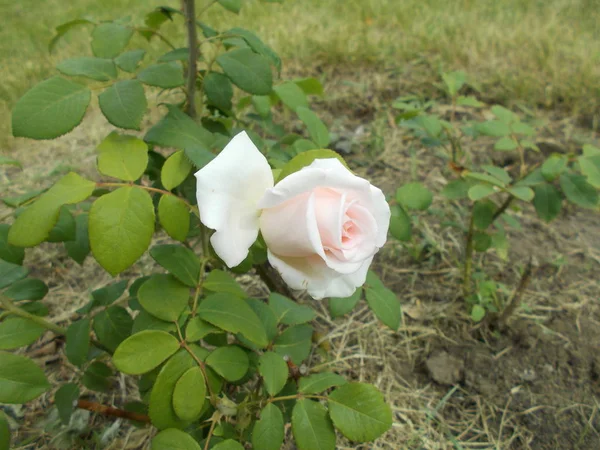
column 322, row 224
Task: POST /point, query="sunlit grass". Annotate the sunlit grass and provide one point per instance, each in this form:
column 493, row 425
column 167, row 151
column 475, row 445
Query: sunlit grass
column 546, row 53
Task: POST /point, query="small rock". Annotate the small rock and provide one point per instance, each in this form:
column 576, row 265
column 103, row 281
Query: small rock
column 528, row 375
column 445, row 368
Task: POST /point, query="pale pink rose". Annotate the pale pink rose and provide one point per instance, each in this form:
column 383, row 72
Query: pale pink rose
column 322, row 225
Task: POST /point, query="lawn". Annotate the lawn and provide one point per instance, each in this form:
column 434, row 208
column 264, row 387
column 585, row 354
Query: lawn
column 533, row 386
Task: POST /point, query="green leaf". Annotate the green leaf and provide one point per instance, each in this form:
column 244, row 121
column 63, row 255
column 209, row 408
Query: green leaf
column 164, row 296
column 189, row 394
column 129, row 61
column 469, row 101
column 144, row 351
column 289, row 312
column 311, row 426
column 400, row 224
column 106, row 295
column 97, row 377
column 122, row 156
column 112, row 326
column 126, row 217
column 554, row 166
column 477, row 313
column 316, row 128
column 17, row 332
column 228, row 444
column 274, row 371
column 9, row 273
column 505, row 144
column 231, row 5
column 174, row 439
column 8, row 252
column 179, row 54
column 256, row 44
column 50, row 109
column 65, row 400
column 485, row 178
column 310, row 86
column 414, row 196
column 21, row 380
column 359, row 411
column 262, row 105
column 483, row 214
column 265, row 315
column 174, row 217
column 197, row 329
column 23, row 199
column 456, row 190
column 4, row 432
column 175, row 169
column 268, row 432
column 247, row 70
column 79, row 248
column 178, row 130
column 590, row 150
column 124, row 104
column 36, row 222
column 494, row 128
column 577, row 190
column 164, row 75
column 503, row 114
column 522, row 193
column 98, row 69
column 27, row 289
column 110, row 39
column 231, row 362
column 64, row 229
column 590, row 167
column 234, row 315
column 61, row 30
column 291, row 95
column 305, row 159
column 340, row 306
column 295, row 342
column 161, row 409
column 220, row 281
column 218, row 90
column 145, row 321
column 386, row 306
column 78, row 342
column 480, row 191
column 522, row 128
column 179, row 261
column 481, row 241
column 498, row 173
column 320, row 382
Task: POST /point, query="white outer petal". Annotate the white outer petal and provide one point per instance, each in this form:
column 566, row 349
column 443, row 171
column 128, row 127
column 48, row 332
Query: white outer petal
column 228, row 190
column 313, row 275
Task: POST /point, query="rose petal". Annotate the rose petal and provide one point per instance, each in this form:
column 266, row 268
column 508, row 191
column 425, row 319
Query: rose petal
column 290, row 229
column 382, row 214
column 228, row 190
column 313, row 275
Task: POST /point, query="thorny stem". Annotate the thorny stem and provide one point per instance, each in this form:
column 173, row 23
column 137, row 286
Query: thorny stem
column 110, row 411
column 502, row 208
column 211, row 431
column 190, row 23
column 468, row 258
column 273, row 280
column 199, row 286
column 515, row 299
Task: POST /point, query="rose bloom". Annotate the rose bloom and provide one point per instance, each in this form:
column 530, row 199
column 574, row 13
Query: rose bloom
column 322, row 225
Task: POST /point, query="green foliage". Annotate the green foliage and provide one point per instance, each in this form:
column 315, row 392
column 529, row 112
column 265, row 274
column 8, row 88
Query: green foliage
column 52, row 108
column 4, row 432
column 125, row 216
column 124, row 104
column 203, row 349
column 21, row 380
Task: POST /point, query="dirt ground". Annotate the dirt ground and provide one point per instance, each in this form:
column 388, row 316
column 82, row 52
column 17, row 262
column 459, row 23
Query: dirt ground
column 452, row 384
